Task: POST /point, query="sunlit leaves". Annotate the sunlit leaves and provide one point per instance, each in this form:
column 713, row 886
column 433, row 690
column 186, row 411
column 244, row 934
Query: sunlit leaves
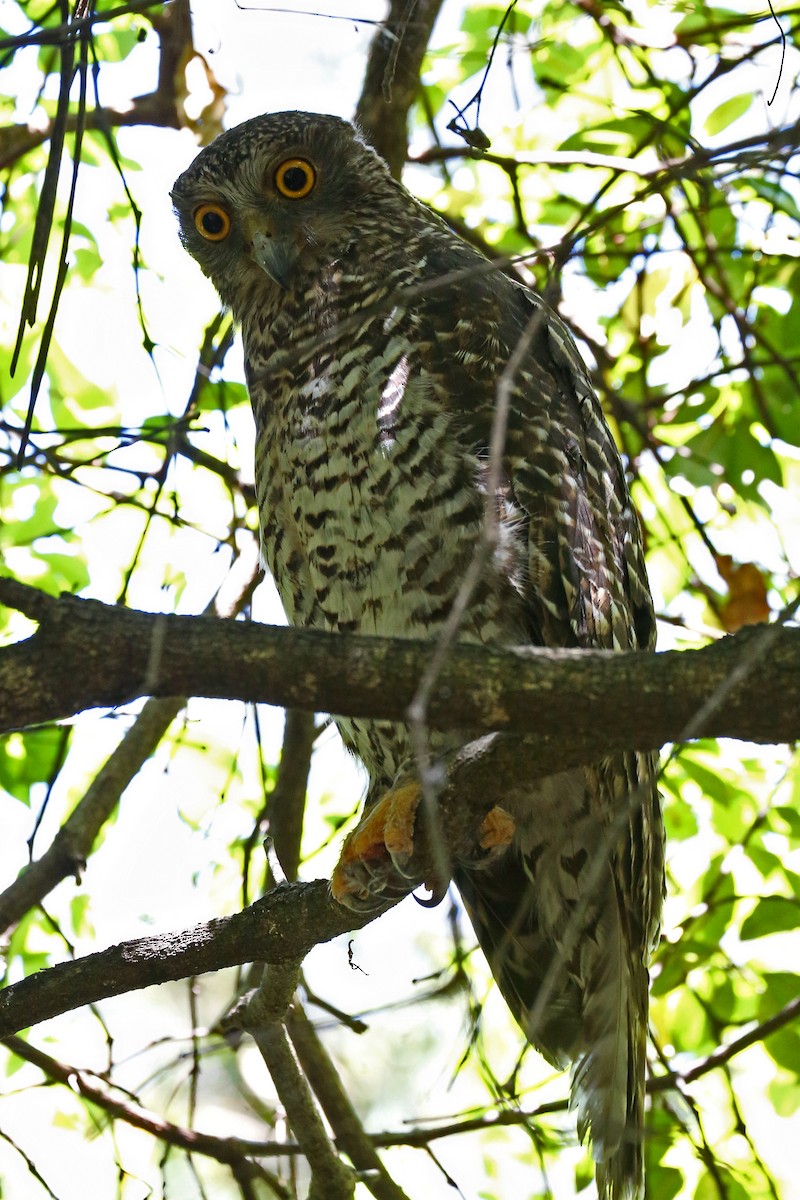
column 772, row 914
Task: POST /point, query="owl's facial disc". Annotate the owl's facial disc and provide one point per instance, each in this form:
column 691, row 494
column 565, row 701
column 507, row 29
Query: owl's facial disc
column 275, row 255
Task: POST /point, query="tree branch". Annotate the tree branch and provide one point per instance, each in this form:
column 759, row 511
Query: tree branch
column 69, row 851
column 231, row 1150
column 162, row 108
column 391, row 80
column 281, row 927
column 95, row 1089
column 349, row 1133
column 86, row 654
column 285, row 804
column 262, row 1014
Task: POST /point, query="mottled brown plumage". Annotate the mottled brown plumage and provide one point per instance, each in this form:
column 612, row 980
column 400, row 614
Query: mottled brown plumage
column 374, row 341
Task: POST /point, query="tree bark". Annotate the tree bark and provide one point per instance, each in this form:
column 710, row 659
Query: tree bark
column 85, row 654
column 391, row 80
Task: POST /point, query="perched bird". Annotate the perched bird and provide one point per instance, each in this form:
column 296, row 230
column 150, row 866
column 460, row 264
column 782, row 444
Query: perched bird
column 374, row 342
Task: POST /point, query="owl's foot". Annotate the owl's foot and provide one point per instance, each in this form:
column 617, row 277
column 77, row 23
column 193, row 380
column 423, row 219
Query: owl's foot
column 377, row 864
column 497, row 831
column 375, row 856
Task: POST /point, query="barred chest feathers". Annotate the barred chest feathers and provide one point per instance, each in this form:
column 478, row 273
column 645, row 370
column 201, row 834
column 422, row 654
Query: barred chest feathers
column 370, row 508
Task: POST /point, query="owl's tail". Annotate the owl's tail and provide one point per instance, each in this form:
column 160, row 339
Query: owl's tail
column 593, row 1012
column 608, row 1082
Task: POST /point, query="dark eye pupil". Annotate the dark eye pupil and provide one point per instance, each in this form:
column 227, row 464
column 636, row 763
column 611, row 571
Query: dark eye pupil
column 212, row 222
column 295, row 179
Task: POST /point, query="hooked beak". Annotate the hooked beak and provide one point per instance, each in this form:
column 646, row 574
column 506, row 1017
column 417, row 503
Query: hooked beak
column 276, row 255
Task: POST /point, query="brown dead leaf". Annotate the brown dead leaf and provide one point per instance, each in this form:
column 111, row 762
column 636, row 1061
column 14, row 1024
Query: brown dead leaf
column 746, row 602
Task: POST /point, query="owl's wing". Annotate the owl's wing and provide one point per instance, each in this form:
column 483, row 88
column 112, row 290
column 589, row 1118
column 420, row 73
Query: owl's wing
column 568, row 917
column 587, row 583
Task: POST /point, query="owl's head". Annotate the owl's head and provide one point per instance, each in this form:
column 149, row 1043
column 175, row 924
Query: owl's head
column 277, row 194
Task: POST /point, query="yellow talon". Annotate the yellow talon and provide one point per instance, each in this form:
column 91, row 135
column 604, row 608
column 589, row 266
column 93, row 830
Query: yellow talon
column 385, row 832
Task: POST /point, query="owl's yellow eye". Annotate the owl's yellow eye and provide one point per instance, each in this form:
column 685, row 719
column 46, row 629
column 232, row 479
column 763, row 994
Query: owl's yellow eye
column 295, row 178
column 212, row 222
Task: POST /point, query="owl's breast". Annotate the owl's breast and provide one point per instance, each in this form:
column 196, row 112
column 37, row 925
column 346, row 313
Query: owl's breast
column 369, row 505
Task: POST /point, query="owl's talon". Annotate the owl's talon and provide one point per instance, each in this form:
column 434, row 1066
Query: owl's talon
column 372, row 866
column 438, row 891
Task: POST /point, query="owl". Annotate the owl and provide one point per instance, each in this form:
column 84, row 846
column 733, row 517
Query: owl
column 374, row 343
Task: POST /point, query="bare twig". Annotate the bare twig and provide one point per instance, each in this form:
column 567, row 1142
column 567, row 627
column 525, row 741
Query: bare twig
column 231, row 1149
column 235, row 1152
column 68, row 852
column 162, row 108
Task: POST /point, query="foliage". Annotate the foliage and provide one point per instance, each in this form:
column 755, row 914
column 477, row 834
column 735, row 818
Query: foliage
column 641, row 172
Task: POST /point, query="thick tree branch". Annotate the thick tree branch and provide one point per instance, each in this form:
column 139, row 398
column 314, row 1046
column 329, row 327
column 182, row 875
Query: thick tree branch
column 283, row 926
column 85, row 654
column 391, row 80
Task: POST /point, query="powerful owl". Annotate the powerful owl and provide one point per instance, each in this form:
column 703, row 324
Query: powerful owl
column 374, row 341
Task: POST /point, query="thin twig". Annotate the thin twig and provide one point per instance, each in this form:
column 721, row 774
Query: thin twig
column 262, row 1015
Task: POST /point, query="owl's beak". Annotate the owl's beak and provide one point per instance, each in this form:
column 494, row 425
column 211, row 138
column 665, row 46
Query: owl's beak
column 275, row 255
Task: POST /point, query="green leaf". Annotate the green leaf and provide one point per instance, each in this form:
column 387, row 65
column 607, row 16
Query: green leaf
column 783, row 1047
column 772, row 914
column 727, row 112
column 721, row 1183
column 712, row 784
column 790, row 817
column 776, row 196
column 779, row 989
column 17, row 529
column 13, row 1064
column 612, row 137
column 784, row 1096
column 765, row 862
column 68, row 572
column 680, row 820
column 221, row 394
column 114, row 45
column 29, row 758
column 702, row 17
column 80, row 909
column 86, row 262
